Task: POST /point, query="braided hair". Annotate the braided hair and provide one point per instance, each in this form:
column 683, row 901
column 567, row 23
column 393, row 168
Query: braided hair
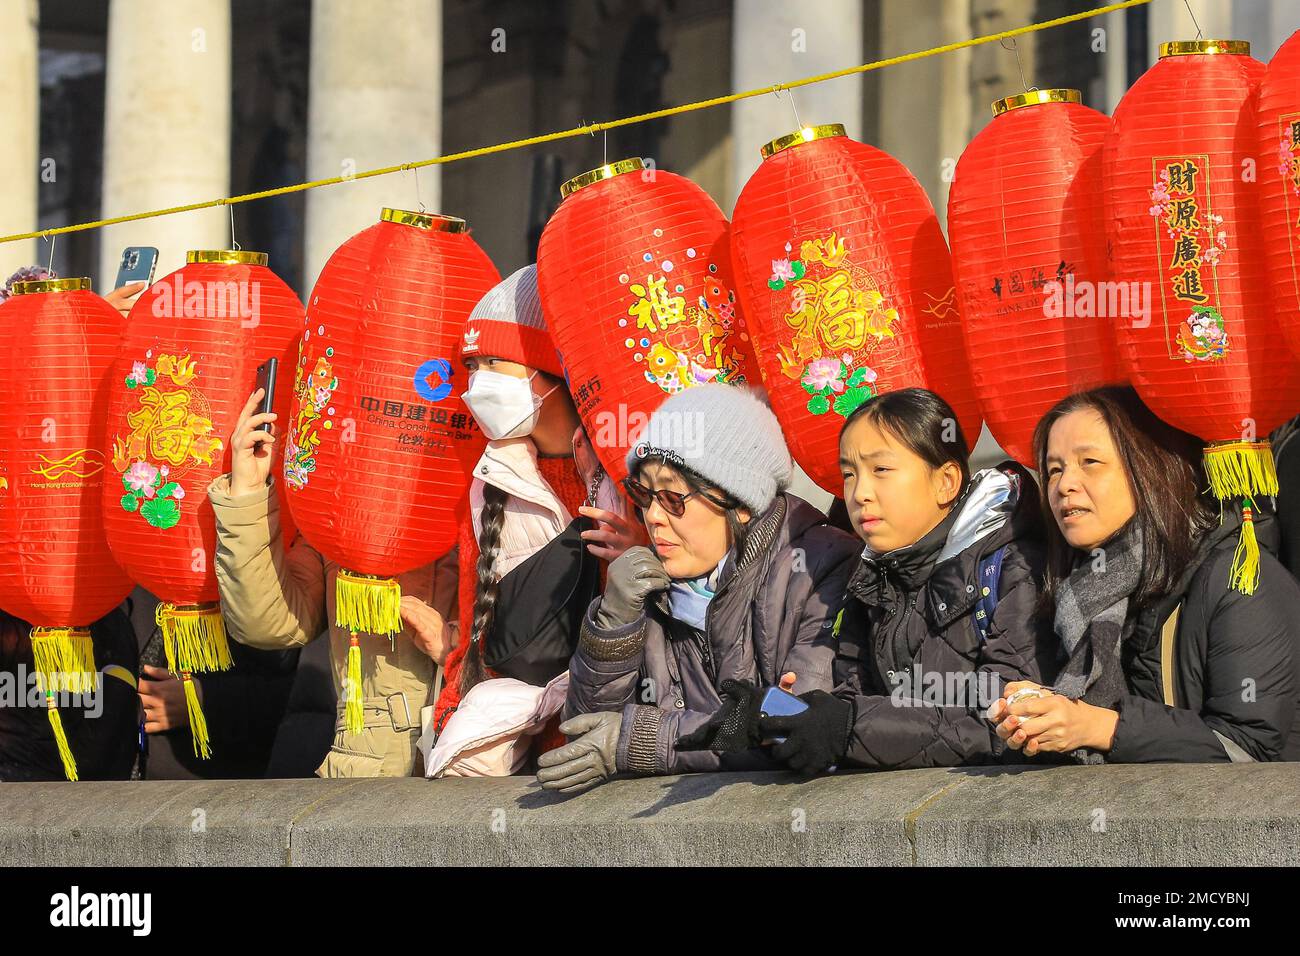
column 487, row 585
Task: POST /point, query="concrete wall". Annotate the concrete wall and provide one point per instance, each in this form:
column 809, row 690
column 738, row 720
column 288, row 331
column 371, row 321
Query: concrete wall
column 1132, row 816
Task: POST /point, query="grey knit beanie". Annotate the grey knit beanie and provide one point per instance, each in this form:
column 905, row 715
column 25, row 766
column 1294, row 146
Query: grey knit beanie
column 724, row 434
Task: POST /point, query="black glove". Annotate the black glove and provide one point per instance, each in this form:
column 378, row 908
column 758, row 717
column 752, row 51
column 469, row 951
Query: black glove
column 633, row 576
column 733, row 728
column 814, row 738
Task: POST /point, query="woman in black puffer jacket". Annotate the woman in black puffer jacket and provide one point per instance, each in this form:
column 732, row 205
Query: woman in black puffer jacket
column 1123, row 487
column 943, row 604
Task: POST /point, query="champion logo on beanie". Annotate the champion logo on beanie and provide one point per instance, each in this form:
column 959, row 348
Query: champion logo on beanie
column 726, row 435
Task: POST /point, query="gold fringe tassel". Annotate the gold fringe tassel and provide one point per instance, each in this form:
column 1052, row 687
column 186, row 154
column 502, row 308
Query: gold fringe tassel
column 1244, row 575
column 354, row 715
column 65, row 658
column 368, row 604
column 60, row 737
column 1243, row 470
column 198, row 723
column 194, row 637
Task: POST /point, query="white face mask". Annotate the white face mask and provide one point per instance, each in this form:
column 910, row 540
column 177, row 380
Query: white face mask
column 503, row 406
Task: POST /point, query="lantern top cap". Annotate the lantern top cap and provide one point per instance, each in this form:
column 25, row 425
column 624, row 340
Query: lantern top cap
column 608, row 171
column 1035, row 98
column 51, row 285
column 434, row 222
column 227, row 257
column 1207, row 47
column 800, row 136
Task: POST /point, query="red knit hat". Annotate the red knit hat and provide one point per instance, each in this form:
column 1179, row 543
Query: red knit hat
column 507, row 323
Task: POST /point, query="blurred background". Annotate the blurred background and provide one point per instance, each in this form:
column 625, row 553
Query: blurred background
column 116, row 106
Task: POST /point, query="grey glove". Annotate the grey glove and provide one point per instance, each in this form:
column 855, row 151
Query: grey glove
column 635, row 575
column 583, row 762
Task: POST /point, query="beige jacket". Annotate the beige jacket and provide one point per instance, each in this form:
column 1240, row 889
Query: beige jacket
column 271, row 599
column 534, row 516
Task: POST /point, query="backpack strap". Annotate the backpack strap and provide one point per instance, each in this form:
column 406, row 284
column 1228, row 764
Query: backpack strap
column 1168, row 640
column 990, row 574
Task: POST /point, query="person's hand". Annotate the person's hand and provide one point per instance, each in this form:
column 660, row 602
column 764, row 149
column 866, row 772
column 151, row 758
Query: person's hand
column 998, row 712
column 816, row 738
column 632, row 578
column 733, row 727
column 429, row 631
column 162, row 695
column 250, row 465
column 614, row 533
column 123, row 297
column 584, row 762
column 1052, row 724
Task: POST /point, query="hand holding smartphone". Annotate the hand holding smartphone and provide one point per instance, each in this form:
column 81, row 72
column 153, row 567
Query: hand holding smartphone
column 266, row 381
column 779, row 703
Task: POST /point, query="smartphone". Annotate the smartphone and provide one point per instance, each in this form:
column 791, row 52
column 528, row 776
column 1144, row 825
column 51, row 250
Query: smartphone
column 137, row 265
column 266, row 381
column 779, row 703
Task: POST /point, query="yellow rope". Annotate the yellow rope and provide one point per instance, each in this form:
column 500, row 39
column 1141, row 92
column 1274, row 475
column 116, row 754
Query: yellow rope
column 585, row 130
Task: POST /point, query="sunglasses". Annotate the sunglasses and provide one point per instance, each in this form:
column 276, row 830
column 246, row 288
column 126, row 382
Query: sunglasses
column 673, row 502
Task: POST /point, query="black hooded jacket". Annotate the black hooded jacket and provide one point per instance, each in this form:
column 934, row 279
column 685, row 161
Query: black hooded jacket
column 1236, row 664
column 908, row 651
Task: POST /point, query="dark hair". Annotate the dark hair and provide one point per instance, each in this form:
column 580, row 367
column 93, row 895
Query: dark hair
column 1164, row 471
column 736, row 529
column 923, row 422
column 486, row 587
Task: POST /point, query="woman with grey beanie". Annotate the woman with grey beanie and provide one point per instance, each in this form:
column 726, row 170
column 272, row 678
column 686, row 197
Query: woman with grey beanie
column 739, row 591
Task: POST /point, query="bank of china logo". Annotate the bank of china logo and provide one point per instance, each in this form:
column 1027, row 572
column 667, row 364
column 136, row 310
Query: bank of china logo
column 471, row 340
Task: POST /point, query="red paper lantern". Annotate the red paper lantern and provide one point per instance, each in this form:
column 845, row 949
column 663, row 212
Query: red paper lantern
column 1279, row 183
column 1183, row 220
column 1029, row 256
column 58, row 341
column 187, row 364
column 380, row 444
column 846, row 284
column 634, row 273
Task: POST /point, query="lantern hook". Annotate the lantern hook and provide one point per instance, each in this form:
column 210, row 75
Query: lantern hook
column 52, row 240
column 604, row 151
column 776, row 91
column 234, row 244
column 415, row 172
column 1015, row 48
column 1199, row 34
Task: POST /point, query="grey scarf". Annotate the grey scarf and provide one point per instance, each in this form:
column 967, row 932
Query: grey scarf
column 1091, row 611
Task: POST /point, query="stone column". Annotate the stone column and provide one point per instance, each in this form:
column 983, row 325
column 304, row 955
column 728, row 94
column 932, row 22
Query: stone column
column 1114, row 64
column 166, row 128
column 20, row 146
column 375, row 100
column 774, row 41
column 1171, row 21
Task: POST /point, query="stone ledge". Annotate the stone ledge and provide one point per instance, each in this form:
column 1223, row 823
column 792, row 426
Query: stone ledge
column 1157, row 815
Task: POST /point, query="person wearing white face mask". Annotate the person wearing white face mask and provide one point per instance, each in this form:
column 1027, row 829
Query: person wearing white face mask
column 542, row 515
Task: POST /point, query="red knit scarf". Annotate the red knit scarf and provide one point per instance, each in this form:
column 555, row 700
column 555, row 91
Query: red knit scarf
column 561, row 474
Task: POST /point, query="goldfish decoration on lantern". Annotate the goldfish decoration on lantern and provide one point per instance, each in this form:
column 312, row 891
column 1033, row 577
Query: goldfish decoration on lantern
column 634, row 272
column 380, row 442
